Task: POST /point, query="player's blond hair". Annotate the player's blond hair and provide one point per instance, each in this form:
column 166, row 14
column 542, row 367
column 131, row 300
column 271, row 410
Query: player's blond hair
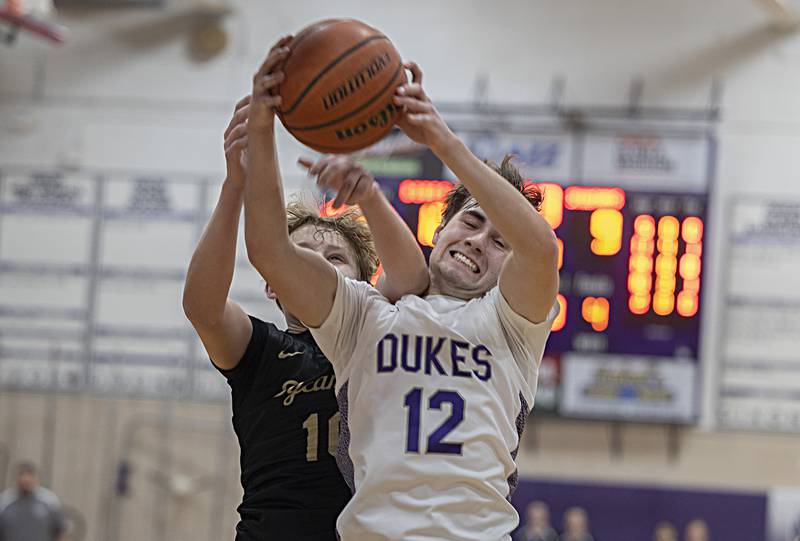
column 347, row 224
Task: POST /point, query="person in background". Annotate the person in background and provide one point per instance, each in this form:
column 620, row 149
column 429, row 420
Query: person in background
column 537, row 524
column 665, row 531
column 696, row 530
column 576, row 525
column 29, row 512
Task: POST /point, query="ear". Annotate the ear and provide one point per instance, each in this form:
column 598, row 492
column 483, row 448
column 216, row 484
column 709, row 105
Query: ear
column 270, row 293
column 435, row 238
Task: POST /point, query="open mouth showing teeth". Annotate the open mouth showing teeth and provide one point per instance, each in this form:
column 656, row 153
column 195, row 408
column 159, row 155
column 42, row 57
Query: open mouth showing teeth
column 464, row 260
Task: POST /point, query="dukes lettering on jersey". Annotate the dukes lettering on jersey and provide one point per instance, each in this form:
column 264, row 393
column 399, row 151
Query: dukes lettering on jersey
column 433, row 355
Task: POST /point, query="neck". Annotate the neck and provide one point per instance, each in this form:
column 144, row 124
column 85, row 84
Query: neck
column 435, row 287
column 293, row 325
column 440, row 287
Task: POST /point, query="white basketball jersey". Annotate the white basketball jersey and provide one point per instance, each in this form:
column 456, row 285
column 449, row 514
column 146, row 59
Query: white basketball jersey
column 433, row 394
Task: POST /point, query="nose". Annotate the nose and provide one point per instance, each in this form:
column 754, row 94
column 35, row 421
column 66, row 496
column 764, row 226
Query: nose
column 477, row 242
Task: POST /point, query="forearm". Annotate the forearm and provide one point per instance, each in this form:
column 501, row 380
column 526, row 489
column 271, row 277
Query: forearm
column 210, row 272
column 520, row 225
column 303, row 280
column 404, row 267
column 265, row 229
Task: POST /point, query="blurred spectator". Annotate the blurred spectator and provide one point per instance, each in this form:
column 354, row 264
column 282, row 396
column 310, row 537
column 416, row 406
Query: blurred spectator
column 537, row 524
column 576, row 525
column 665, row 531
column 29, row 512
column 696, row 530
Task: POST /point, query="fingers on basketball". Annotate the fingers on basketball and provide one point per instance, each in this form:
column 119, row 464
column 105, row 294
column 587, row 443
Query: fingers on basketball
column 239, row 119
column 275, row 57
column 285, row 41
column 266, row 84
column 236, row 145
column 416, row 72
column 414, row 105
column 245, row 101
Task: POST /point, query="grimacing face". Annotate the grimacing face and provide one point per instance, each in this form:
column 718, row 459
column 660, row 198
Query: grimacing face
column 468, row 255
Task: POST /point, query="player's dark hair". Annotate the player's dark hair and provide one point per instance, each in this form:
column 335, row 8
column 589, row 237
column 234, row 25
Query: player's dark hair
column 26, row 467
column 349, row 224
column 459, row 196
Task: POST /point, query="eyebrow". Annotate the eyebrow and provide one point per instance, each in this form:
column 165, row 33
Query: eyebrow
column 477, row 214
column 329, row 250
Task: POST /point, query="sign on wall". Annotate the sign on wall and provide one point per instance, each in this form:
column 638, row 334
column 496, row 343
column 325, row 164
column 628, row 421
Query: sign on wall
column 91, row 279
column 759, row 364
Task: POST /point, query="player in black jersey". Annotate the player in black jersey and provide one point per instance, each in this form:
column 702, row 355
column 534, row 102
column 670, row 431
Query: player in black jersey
column 284, row 409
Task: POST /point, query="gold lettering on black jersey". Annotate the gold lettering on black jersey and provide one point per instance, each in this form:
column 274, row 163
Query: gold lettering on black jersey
column 292, row 388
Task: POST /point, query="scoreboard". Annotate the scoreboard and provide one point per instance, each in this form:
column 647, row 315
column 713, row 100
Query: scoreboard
column 625, row 344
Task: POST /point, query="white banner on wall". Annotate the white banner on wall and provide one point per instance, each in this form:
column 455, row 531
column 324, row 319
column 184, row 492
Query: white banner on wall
column 759, row 386
column 539, row 157
column 628, row 387
column 652, row 163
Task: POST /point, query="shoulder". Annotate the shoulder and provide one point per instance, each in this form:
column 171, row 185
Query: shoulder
column 47, row 497
column 7, row 497
column 357, row 297
column 265, row 340
column 508, row 316
column 360, row 287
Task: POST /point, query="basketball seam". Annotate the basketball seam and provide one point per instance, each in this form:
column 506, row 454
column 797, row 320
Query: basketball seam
column 334, row 150
column 327, row 68
column 354, row 112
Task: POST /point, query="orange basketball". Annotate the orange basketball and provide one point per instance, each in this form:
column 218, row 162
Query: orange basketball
column 341, row 75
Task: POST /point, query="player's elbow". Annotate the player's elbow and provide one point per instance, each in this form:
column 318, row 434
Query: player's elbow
column 550, row 249
column 542, row 248
column 260, row 253
column 194, row 310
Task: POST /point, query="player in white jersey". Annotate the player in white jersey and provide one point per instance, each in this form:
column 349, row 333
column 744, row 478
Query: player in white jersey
column 433, row 391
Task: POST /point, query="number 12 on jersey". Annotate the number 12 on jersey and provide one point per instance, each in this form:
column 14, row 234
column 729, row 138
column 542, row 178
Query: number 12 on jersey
column 413, row 401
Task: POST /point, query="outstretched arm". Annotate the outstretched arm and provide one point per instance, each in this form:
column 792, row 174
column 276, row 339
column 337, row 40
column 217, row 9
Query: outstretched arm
column 404, row 268
column 303, row 280
column 222, row 325
column 529, row 278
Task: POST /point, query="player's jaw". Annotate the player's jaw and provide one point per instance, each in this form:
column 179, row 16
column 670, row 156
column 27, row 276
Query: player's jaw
column 462, row 266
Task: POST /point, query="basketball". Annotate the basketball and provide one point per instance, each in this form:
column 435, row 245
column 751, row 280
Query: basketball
column 341, row 75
